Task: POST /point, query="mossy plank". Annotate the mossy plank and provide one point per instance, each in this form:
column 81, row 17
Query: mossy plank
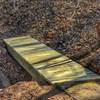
column 85, row 90
column 26, row 66
column 54, row 67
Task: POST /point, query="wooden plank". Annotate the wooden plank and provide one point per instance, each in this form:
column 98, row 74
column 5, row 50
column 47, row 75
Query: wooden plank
column 85, row 91
column 41, row 61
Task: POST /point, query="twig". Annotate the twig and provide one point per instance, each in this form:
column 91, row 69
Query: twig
column 78, row 3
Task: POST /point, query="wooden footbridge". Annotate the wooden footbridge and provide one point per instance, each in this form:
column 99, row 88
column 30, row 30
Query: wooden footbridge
column 46, row 64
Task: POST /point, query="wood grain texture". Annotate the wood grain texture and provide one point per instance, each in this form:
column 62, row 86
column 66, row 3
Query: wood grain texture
column 44, row 63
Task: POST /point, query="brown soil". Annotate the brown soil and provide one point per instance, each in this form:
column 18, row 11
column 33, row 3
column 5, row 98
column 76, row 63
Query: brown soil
column 32, row 91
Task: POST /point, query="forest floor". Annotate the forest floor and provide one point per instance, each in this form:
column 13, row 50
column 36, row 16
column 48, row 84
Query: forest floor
column 68, row 26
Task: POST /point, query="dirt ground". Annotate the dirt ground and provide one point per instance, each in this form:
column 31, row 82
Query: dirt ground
column 72, row 27
column 33, row 91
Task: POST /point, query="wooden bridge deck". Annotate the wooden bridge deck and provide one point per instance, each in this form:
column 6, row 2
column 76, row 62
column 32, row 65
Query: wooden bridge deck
column 46, row 64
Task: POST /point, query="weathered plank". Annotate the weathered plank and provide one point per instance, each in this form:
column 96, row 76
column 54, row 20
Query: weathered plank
column 43, row 62
column 85, row 91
